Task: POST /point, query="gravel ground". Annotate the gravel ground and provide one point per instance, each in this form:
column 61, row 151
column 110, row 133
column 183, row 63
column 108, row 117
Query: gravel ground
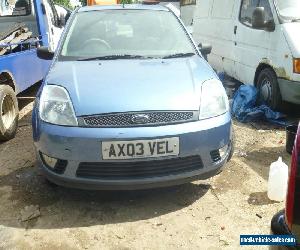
column 208, row 214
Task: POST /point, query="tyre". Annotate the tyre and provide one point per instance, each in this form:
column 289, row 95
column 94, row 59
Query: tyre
column 9, row 113
column 268, row 89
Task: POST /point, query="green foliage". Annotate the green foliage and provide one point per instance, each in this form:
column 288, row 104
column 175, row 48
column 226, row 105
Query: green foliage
column 126, row 1
column 64, row 3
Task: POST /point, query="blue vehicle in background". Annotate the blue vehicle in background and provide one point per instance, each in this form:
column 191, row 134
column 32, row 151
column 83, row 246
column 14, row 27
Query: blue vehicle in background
column 25, row 25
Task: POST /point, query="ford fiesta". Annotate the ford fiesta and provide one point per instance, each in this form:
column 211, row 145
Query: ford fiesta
column 129, row 103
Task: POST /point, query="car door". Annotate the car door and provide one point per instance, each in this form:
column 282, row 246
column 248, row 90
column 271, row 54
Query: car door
column 54, row 28
column 251, row 44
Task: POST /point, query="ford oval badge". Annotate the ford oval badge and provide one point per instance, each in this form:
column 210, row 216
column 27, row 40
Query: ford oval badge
column 140, row 119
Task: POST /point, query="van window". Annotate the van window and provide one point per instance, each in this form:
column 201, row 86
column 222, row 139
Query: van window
column 247, row 9
column 15, row 8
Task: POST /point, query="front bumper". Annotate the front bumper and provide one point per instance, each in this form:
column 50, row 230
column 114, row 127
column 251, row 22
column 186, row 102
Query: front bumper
column 77, row 145
column 290, row 90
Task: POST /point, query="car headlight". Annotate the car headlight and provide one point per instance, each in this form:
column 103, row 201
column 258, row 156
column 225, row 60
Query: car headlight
column 56, row 106
column 214, row 100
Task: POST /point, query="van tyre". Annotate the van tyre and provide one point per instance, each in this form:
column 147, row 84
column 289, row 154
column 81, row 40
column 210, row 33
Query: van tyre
column 9, row 113
column 268, row 89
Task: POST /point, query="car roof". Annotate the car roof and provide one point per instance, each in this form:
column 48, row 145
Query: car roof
column 156, row 7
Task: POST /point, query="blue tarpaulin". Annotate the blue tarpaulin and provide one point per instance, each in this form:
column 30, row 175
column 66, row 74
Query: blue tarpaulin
column 244, row 107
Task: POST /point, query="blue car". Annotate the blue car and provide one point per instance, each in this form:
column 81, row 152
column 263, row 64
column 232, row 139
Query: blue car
column 129, row 103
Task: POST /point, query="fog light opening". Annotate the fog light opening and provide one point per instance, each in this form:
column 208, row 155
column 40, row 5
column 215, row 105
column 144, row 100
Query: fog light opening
column 223, row 151
column 49, row 161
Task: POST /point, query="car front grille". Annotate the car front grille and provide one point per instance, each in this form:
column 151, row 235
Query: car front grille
column 138, row 169
column 127, row 119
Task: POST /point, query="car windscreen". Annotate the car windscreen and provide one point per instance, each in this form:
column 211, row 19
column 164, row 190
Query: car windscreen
column 145, row 33
column 288, row 9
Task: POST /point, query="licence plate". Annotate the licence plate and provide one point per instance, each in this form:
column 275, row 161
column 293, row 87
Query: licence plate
column 140, row 149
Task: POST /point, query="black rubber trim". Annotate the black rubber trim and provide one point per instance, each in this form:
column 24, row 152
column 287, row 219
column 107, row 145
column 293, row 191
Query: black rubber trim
column 60, row 166
column 138, row 169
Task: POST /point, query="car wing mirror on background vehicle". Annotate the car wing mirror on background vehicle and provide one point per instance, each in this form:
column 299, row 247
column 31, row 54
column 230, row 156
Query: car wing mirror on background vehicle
column 44, row 53
column 270, row 26
column 259, row 18
column 205, row 49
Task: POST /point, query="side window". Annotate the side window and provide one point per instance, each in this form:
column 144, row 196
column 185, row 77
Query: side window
column 248, row 7
column 267, row 7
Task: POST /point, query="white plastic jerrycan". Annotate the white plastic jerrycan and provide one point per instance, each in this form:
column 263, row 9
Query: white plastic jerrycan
column 278, row 179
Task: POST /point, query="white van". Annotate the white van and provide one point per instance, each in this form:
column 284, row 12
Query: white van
column 187, row 9
column 256, row 42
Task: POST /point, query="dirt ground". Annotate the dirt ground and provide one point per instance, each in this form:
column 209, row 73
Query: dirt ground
column 208, row 214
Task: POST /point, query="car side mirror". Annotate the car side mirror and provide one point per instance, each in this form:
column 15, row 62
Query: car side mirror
column 270, row 26
column 44, row 53
column 205, row 49
column 259, row 18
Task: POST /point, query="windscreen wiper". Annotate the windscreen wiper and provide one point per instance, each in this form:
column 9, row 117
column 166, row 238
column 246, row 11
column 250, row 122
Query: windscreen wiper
column 112, row 57
column 179, row 55
column 295, row 20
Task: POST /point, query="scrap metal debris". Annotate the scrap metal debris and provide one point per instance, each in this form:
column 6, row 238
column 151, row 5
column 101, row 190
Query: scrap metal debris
column 11, row 38
column 259, row 216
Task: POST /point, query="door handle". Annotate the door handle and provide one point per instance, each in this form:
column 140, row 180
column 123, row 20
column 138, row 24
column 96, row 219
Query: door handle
column 235, row 29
